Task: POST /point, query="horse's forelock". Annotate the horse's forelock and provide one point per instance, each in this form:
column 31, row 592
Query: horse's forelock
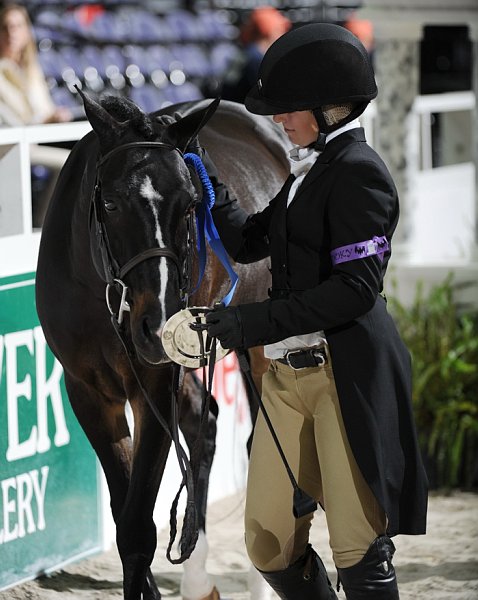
column 123, row 109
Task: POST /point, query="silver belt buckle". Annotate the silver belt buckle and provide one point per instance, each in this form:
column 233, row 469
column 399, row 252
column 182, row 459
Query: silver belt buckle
column 319, row 353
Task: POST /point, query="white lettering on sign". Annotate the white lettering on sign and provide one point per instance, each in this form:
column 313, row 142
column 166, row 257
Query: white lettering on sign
column 48, row 388
column 22, row 504
column 38, row 439
column 15, row 390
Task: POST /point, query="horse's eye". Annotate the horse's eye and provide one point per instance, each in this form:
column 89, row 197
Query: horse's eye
column 110, row 206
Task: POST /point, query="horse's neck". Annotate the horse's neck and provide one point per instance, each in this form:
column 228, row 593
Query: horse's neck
column 81, row 224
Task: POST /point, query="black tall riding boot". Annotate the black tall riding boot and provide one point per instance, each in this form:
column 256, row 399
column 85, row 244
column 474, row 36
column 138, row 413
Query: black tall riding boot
column 306, row 579
column 373, row 578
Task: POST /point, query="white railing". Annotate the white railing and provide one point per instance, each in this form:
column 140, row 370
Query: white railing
column 424, row 107
column 441, row 202
column 18, row 241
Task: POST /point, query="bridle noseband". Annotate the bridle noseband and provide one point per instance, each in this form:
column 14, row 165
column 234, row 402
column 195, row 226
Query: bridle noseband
column 113, row 272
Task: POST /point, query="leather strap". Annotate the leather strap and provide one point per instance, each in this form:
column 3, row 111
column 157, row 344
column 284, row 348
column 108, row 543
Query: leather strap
column 302, row 359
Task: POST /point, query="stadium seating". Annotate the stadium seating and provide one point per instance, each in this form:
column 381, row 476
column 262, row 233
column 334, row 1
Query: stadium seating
column 155, row 58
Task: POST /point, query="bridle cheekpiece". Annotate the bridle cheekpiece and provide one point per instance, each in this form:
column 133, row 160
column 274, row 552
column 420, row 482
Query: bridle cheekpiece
column 113, row 272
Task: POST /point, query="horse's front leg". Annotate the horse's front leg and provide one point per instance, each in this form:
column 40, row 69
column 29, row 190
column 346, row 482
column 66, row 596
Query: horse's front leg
column 136, row 532
column 196, row 584
column 104, row 423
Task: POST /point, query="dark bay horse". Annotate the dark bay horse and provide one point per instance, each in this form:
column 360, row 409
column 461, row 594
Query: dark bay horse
column 121, row 211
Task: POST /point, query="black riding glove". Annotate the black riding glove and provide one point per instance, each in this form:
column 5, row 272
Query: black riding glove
column 225, row 324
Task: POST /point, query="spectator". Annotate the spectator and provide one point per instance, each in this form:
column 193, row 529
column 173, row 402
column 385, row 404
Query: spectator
column 25, row 100
column 24, row 95
column 263, row 27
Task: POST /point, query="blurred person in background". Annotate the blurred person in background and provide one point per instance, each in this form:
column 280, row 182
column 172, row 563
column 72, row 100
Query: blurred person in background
column 26, row 100
column 24, row 95
column 363, row 30
column 263, row 27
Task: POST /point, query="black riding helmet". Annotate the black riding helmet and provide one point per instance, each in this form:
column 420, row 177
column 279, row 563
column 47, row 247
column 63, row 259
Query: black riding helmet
column 310, row 67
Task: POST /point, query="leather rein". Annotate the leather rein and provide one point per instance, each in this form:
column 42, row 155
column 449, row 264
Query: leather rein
column 113, row 273
column 113, row 276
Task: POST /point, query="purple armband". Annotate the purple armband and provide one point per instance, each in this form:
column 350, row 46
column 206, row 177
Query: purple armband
column 377, row 245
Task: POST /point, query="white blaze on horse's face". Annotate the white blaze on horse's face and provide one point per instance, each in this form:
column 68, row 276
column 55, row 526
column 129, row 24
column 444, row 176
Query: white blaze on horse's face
column 152, row 196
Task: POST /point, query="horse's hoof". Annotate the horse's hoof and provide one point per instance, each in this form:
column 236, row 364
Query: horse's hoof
column 214, row 595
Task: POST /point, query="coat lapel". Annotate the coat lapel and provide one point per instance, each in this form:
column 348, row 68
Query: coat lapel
column 332, row 150
column 281, row 210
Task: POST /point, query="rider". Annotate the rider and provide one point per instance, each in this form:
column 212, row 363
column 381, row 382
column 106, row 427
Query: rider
column 338, row 390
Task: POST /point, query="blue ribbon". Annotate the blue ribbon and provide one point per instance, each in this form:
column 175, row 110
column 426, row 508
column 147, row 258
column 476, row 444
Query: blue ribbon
column 207, row 230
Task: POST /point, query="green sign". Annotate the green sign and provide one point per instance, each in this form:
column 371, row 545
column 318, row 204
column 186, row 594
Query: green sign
column 49, row 498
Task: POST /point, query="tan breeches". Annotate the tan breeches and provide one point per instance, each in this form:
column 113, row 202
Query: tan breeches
column 305, row 413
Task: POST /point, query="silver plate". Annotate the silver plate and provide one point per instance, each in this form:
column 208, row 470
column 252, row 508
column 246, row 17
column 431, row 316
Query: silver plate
column 183, row 344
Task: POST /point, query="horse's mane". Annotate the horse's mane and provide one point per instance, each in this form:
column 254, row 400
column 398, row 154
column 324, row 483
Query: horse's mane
column 123, row 109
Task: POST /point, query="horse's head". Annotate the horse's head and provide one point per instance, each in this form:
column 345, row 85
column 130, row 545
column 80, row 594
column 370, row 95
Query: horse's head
column 142, row 211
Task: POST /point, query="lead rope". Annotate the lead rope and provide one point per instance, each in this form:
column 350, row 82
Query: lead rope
column 190, row 530
column 190, row 468
column 130, row 355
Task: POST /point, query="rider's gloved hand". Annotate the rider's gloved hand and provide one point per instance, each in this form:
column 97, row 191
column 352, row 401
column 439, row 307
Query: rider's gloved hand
column 225, row 324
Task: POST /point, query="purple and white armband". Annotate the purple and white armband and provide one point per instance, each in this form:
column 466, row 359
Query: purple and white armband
column 377, row 245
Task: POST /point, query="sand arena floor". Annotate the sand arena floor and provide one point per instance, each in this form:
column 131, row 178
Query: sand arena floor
column 443, row 565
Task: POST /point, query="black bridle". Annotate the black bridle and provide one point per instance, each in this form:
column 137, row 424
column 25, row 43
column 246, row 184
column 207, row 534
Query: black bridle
column 113, row 273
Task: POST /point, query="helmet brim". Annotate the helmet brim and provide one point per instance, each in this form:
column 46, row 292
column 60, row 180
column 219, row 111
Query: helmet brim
column 257, row 104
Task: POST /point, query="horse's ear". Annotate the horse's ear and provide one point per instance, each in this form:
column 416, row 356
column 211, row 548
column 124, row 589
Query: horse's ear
column 105, row 126
column 187, row 128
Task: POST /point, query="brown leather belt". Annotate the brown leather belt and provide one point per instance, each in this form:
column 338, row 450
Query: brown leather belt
column 302, row 359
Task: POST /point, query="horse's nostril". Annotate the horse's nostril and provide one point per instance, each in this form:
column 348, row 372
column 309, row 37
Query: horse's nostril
column 151, row 332
column 146, row 329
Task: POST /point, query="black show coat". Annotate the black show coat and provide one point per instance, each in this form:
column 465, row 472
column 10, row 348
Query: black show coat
column 347, row 197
